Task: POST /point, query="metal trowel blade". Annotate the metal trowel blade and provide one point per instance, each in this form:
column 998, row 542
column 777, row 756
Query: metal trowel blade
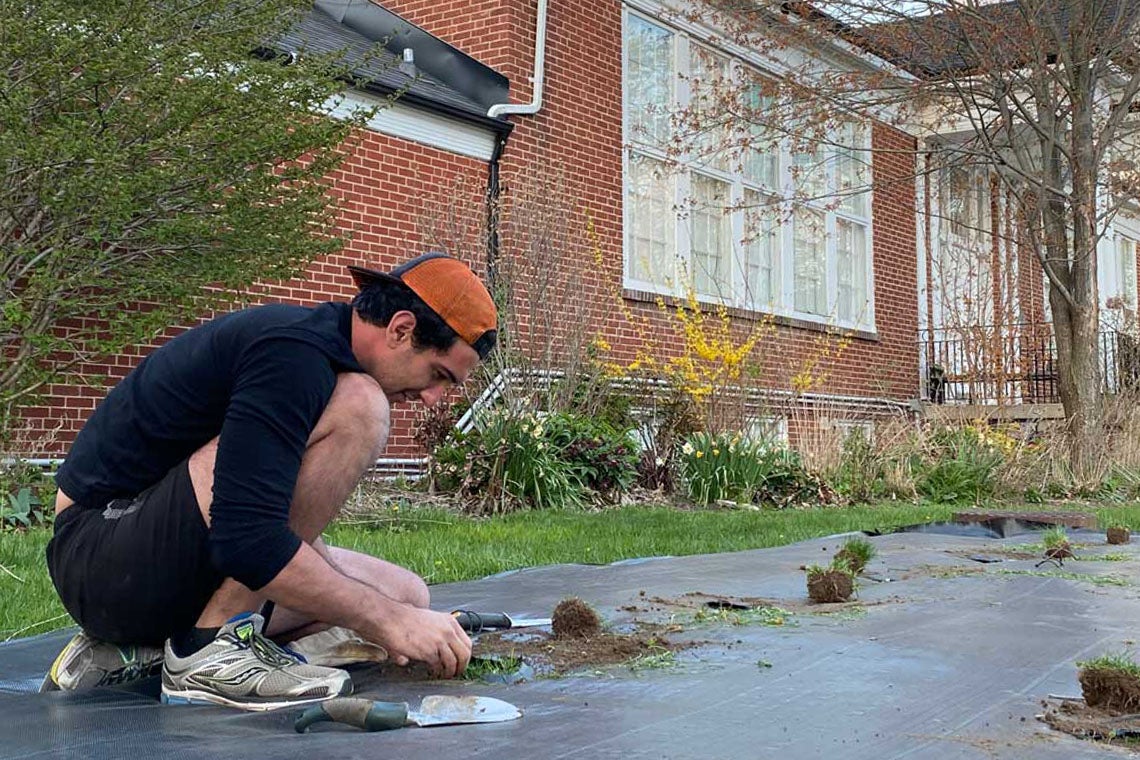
column 440, row 710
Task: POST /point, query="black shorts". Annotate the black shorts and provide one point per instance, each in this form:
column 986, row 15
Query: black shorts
column 135, row 571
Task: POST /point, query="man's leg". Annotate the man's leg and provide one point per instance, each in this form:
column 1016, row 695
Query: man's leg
column 346, row 441
column 202, row 664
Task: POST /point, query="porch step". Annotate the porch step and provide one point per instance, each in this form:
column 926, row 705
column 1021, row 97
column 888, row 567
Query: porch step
column 994, row 412
column 1067, row 519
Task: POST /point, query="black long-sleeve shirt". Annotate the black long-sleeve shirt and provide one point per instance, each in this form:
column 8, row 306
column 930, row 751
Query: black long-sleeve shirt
column 258, row 378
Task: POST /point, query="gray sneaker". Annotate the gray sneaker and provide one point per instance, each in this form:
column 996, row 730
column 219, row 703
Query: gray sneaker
column 87, row 662
column 244, row 669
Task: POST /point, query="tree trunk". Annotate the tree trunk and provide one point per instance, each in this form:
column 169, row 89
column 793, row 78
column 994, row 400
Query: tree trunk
column 1078, row 359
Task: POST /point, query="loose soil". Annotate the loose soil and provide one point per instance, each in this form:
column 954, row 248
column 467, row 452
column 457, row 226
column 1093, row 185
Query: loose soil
column 1085, row 722
column 695, row 600
column 552, row 655
column 1119, row 536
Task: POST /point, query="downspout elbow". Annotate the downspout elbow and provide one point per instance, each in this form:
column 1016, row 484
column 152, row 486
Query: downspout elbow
column 502, row 109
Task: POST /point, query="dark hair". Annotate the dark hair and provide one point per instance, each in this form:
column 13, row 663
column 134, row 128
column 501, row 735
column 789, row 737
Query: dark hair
column 378, row 301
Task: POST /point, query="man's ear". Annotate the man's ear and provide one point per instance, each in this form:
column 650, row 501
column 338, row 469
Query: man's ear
column 400, row 328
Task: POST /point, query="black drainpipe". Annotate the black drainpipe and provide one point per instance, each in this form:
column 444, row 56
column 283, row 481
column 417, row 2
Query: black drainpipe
column 493, row 210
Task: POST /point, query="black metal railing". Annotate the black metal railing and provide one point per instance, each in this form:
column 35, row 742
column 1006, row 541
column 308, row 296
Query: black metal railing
column 1011, row 364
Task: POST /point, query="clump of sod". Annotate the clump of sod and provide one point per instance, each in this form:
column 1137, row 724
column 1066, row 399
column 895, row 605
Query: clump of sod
column 574, row 619
column 1111, row 682
column 830, row 584
column 1118, row 534
column 855, row 555
column 1057, row 544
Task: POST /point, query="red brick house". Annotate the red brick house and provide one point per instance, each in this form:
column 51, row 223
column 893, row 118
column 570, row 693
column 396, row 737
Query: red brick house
column 585, row 79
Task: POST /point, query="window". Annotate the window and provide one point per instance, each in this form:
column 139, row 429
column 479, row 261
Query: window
column 742, row 216
column 1126, row 271
column 810, row 262
column 649, row 81
column 651, row 225
column 965, row 203
column 710, row 246
column 761, row 262
column 767, row 430
column 851, row 262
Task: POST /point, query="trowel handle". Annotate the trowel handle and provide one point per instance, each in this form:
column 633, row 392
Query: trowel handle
column 474, row 622
column 355, row 711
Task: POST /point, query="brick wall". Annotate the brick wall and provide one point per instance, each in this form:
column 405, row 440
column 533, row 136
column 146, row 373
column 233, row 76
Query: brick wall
column 382, row 188
column 577, row 135
column 579, row 131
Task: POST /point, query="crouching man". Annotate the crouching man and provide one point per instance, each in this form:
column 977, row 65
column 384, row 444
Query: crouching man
column 197, row 492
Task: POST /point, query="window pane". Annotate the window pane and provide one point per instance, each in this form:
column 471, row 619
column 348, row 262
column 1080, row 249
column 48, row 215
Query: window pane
column 809, row 172
column 851, row 262
column 651, row 222
column 710, row 237
column 649, row 89
column 1126, row 268
column 707, row 116
column 760, row 161
column 965, row 203
column 761, row 251
column 851, row 164
column 810, row 269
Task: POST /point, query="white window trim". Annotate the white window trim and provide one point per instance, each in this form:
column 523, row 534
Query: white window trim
column 681, row 41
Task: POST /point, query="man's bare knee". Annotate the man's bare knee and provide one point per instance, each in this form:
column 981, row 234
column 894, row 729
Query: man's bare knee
column 358, row 412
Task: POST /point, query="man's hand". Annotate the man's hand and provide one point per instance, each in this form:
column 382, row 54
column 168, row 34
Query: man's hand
column 434, row 638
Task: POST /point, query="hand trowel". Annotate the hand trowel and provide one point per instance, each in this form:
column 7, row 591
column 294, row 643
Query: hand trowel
column 435, row 710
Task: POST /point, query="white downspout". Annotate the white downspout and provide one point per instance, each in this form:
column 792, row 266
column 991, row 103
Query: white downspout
column 501, row 109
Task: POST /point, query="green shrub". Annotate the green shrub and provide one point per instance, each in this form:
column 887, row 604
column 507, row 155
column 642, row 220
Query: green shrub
column 26, row 495
column 506, row 463
column 522, row 461
column 861, row 473
column 23, row 510
column 726, row 467
column 1055, row 537
column 603, row 458
column 960, row 465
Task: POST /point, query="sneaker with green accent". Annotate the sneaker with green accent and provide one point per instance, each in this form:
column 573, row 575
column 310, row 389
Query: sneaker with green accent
column 244, row 669
column 87, row 662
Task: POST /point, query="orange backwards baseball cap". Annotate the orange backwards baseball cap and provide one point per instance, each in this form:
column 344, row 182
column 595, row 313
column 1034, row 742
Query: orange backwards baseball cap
column 450, row 289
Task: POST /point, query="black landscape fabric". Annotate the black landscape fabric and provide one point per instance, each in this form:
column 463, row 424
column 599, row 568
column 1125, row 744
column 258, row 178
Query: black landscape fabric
column 941, row 657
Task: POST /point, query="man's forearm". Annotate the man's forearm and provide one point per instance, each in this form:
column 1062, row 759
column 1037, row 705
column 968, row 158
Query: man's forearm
column 314, row 587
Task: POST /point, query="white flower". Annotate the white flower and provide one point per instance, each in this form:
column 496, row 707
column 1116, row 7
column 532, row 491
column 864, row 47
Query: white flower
column 687, row 449
column 659, row 462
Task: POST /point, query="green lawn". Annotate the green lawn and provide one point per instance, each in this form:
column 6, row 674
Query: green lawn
column 444, row 547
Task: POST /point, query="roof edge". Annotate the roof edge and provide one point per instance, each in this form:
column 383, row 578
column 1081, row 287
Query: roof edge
column 446, row 63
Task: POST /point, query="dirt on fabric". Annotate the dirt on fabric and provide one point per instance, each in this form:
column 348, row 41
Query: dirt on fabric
column 555, row 655
column 695, row 600
column 1084, row 722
